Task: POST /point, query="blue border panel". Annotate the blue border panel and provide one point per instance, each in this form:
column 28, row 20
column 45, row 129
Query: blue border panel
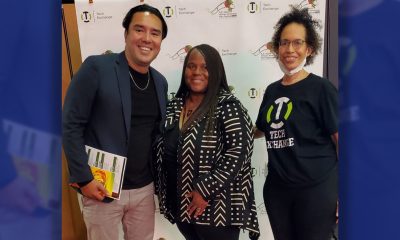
column 30, row 120
column 369, row 70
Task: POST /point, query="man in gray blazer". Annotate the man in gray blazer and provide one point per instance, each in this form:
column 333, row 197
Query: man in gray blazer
column 116, row 103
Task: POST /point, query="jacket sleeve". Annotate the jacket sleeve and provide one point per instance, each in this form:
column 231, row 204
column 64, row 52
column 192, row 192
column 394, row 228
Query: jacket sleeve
column 235, row 126
column 75, row 116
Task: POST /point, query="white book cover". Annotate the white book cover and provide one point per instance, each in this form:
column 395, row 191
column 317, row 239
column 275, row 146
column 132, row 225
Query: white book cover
column 107, row 168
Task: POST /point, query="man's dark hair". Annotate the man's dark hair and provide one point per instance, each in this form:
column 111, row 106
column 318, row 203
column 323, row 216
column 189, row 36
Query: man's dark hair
column 145, row 8
column 303, row 17
column 216, row 82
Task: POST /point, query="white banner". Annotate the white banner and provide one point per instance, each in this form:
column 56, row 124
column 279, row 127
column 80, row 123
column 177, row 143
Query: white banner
column 240, row 30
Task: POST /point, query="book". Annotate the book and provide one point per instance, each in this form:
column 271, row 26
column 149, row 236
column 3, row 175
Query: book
column 108, row 169
column 33, row 152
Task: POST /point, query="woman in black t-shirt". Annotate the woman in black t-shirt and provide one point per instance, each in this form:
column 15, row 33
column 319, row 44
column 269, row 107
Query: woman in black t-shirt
column 298, row 118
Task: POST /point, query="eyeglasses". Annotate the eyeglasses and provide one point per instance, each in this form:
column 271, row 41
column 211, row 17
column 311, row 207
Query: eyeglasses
column 296, row 44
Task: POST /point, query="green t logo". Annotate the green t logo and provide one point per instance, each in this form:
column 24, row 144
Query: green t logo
column 279, row 102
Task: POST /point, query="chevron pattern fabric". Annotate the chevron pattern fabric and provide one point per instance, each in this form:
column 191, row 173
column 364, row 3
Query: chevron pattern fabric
column 217, row 165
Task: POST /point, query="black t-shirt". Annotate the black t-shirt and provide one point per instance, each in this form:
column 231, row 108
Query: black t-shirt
column 298, row 121
column 144, row 117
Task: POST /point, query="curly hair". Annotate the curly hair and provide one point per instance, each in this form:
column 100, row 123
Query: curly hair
column 303, row 17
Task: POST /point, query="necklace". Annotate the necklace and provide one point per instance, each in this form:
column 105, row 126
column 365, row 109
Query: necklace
column 189, row 112
column 186, row 114
column 148, row 81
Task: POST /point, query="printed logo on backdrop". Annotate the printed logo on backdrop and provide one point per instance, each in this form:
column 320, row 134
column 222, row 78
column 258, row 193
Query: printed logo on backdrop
column 310, row 4
column 171, row 95
column 168, row 11
column 227, row 52
column 86, row 16
column 94, row 16
column 224, row 9
column 180, row 54
column 259, row 7
column 268, row 7
column 264, row 51
column 253, row 7
column 261, row 171
column 255, row 93
column 175, row 11
column 278, row 113
column 232, row 89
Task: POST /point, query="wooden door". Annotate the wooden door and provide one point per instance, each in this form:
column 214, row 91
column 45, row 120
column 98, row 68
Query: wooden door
column 73, row 226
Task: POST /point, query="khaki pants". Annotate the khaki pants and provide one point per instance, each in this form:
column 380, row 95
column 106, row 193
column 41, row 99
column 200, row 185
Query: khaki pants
column 135, row 210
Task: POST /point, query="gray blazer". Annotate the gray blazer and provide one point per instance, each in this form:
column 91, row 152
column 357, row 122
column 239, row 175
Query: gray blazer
column 97, row 110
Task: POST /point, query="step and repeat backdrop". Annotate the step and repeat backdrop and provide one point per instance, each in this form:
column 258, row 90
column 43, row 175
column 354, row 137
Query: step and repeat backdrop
column 239, row 29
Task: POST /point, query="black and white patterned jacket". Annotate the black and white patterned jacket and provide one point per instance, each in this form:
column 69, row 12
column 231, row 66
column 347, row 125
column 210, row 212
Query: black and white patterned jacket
column 217, row 166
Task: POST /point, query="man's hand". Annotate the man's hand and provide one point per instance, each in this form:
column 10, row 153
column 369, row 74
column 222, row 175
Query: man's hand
column 94, row 190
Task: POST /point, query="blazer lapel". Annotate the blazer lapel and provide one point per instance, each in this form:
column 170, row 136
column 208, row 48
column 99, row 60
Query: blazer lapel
column 122, row 72
column 160, row 94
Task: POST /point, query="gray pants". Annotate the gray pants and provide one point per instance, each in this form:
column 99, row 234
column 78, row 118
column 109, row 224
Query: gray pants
column 135, row 210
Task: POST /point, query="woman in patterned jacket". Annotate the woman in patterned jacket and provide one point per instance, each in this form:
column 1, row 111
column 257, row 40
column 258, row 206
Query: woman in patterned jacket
column 204, row 169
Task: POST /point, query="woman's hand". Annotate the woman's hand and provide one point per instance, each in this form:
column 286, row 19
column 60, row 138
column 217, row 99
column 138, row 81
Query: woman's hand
column 197, row 205
column 257, row 133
